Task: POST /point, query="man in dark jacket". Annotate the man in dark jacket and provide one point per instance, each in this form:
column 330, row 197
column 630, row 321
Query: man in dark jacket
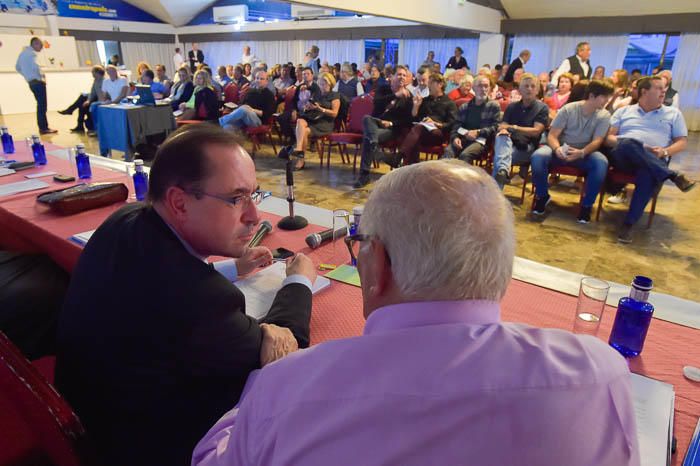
column 257, row 106
column 390, row 118
column 477, row 121
column 153, row 343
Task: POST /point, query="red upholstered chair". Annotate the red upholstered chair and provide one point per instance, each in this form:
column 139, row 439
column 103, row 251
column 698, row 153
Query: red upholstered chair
column 288, row 107
column 359, row 107
column 619, row 177
column 258, row 134
column 38, row 426
column 231, row 93
column 504, row 104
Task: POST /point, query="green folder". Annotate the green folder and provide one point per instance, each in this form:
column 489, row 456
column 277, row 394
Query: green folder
column 346, row 274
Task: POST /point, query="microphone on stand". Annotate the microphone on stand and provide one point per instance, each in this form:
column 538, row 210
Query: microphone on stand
column 315, row 240
column 291, row 222
column 264, row 228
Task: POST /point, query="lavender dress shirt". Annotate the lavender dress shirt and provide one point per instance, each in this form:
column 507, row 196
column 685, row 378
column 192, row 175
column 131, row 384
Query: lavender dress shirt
column 435, row 383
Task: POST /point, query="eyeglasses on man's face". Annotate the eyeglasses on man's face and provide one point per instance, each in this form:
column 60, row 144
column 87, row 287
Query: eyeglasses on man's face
column 255, row 197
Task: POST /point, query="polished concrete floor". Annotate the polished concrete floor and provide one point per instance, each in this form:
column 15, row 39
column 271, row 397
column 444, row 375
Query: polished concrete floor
column 669, row 251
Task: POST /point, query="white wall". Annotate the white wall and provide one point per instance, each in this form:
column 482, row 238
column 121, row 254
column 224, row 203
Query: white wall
column 490, row 49
column 61, row 52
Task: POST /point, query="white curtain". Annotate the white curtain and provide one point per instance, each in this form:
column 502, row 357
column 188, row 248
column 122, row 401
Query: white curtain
column 87, row 52
column 274, row 52
column 153, row 54
column 686, row 79
column 549, row 51
column 412, row 52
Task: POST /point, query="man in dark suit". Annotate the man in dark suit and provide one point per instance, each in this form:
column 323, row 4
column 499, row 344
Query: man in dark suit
column 515, row 65
column 195, row 56
column 154, row 343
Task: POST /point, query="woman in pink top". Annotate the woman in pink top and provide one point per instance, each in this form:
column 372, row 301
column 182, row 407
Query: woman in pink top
column 561, row 96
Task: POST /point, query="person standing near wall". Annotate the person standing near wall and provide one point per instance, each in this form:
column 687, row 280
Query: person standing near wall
column 28, row 67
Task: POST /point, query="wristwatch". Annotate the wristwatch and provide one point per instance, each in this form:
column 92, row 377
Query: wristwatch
column 665, row 152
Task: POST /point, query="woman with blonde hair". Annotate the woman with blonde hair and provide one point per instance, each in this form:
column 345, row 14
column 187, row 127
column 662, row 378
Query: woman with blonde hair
column 141, row 67
column 318, row 118
column 203, row 105
column 620, row 79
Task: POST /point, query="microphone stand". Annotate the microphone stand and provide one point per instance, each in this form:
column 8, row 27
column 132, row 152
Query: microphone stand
column 291, row 222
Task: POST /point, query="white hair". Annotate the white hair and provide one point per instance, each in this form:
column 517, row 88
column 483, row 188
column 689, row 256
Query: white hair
column 447, row 228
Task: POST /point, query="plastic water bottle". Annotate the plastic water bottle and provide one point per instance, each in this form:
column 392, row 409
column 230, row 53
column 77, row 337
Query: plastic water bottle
column 38, row 151
column 632, row 320
column 82, row 162
column 8, row 145
column 140, row 181
column 355, row 225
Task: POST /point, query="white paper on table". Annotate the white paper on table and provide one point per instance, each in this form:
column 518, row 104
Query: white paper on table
column 653, row 409
column 261, row 288
column 6, row 171
column 82, row 238
column 22, row 186
column 39, row 175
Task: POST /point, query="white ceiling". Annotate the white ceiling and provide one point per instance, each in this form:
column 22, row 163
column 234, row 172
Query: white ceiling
column 175, row 12
column 520, row 9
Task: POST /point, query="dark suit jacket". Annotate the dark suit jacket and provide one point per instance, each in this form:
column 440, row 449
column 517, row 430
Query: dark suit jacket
column 200, row 59
column 154, row 345
column 512, row 68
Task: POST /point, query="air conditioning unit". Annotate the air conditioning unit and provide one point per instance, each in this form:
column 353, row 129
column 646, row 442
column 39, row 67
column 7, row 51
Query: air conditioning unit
column 310, row 12
column 234, row 14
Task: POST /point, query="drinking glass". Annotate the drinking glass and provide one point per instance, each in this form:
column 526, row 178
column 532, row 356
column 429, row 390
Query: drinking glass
column 130, row 170
column 341, row 226
column 592, row 295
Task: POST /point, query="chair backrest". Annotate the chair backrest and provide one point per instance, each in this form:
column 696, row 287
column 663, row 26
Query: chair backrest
column 289, row 98
column 231, row 93
column 39, row 427
column 359, row 107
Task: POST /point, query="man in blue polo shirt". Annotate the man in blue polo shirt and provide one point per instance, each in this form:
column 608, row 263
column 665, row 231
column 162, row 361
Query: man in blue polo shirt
column 158, row 89
column 643, row 137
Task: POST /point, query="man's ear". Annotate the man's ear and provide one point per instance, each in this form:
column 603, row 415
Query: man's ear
column 380, row 270
column 175, row 202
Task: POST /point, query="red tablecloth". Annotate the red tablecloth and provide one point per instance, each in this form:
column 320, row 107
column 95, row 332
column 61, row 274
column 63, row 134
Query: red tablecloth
column 337, row 310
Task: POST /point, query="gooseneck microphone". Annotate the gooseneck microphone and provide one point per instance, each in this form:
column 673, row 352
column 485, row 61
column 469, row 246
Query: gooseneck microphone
column 291, row 222
column 315, row 240
column 264, row 228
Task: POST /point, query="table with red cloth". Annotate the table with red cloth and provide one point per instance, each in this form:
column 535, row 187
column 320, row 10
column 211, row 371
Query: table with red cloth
column 337, row 310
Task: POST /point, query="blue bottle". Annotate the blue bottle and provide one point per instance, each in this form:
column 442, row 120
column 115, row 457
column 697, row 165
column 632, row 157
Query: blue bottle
column 632, row 319
column 140, row 181
column 82, row 162
column 8, row 145
column 355, row 226
column 38, row 151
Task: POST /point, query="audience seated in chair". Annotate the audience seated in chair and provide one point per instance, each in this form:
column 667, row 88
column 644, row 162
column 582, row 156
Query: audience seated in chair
column 422, row 79
column 83, row 102
column 642, row 137
column 182, row 90
column 305, row 92
column 162, row 77
column 203, row 104
column 375, row 80
column 519, row 134
column 671, row 97
column 437, row 378
column 390, row 118
column 317, row 118
column 433, row 119
column 114, row 89
column 256, row 108
column 463, row 93
column 574, row 140
column 621, row 84
column 477, row 122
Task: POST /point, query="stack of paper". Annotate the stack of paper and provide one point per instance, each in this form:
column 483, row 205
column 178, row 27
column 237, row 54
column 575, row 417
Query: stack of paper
column 21, row 186
column 261, row 288
column 653, row 407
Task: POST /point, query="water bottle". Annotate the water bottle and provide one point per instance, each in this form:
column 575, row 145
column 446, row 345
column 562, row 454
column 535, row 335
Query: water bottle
column 140, row 181
column 8, row 145
column 355, row 225
column 632, row 319
column 38, row 151
column 82, row 162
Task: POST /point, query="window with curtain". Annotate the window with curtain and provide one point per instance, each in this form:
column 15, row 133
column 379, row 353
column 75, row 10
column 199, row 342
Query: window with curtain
column 686, row 78
column 153, row 54
column 412, row 52
column 548, row 51
column 87, row 52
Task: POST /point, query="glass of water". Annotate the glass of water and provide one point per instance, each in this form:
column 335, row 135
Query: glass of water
column 592, row 295
column 341, row 225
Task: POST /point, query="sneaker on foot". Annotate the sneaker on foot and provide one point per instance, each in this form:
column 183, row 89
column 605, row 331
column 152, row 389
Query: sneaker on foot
column 361, row 181
column 683, row 183
column 619, row 198
column 585, row 215
column 502, row 178
column 624, row 236
column 541, row 205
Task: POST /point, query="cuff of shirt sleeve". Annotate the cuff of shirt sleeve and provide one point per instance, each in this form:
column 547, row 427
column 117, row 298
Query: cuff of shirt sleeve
column 228, row 269
column 298, row 278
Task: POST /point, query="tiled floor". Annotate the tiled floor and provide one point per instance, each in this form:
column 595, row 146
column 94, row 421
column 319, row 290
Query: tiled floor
column 669, row 252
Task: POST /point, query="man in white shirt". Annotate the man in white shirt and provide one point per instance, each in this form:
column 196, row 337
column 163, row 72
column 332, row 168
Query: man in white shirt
column 178, row 59
column 576, row 64
column 248, row 56
column 29, row 69
column 422, row 76
column 114, row 89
